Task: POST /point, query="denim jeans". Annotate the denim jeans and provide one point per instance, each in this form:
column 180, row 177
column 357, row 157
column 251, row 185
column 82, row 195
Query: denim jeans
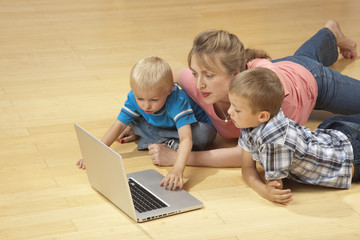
column 203, row 134
column 350, row 126
column 337, row 93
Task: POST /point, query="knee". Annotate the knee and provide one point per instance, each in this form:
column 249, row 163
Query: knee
column 203, row 134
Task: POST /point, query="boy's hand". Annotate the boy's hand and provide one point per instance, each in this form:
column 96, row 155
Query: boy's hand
column 127, row 135
column 175, row 176
column 80, row 163
column 172, row 179
column 276, row 193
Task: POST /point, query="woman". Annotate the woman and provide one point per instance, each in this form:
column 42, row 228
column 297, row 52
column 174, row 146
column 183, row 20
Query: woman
column 217, row 56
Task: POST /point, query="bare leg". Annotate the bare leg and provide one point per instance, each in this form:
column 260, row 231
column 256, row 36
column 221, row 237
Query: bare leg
column 346, row 45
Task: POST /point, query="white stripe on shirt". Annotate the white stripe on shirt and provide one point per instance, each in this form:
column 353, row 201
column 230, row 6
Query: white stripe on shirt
column 182, row 113
column 133, row 113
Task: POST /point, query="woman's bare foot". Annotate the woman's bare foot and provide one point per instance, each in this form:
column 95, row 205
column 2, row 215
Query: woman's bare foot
column 346, row 45
column 162, row 155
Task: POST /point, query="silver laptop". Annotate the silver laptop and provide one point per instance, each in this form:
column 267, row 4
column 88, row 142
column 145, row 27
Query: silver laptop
column 138, row 194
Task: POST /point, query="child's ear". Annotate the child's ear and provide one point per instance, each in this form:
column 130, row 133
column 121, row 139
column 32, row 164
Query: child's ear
column 264, row 116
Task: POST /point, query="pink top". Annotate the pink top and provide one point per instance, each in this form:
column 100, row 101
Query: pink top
column 300, row 93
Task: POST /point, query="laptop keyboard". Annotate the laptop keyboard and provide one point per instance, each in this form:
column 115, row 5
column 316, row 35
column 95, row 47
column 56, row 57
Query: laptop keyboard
column 144, row 200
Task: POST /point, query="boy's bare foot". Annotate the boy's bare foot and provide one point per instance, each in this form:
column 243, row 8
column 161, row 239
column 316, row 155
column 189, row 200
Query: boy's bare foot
column 346, row 45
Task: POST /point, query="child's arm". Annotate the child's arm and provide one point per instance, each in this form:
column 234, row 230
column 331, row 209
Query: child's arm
column 271, row 190
column 113, row 133
column 175, row 176
column 110, row 136
column 127, row 135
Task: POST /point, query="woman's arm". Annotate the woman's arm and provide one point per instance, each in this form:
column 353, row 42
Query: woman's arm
column 222, row 157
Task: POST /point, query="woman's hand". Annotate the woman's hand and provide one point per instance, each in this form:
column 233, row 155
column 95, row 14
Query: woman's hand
column 162, row 155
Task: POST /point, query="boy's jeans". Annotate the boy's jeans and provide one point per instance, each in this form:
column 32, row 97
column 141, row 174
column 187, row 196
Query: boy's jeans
column 350, row 126
column 203, row 134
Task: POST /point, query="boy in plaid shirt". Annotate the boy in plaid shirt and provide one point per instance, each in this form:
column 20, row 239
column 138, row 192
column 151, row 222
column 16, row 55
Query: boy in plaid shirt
column 328, row 156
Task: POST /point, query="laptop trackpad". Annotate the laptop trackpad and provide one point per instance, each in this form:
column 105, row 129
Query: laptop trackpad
column 151, row 179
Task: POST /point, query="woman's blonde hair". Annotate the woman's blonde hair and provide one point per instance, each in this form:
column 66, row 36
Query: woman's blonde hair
column 261, row 87
column 231, row 52
column 150, row 73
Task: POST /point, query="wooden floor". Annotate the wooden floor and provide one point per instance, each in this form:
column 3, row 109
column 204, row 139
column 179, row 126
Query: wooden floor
column 68, row 61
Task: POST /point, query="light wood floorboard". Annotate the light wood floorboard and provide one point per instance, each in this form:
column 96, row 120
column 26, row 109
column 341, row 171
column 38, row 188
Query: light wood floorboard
column 68, row 61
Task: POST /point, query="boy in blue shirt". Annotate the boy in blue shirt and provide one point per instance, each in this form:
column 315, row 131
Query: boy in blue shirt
column 159, row 112
column 328, row 156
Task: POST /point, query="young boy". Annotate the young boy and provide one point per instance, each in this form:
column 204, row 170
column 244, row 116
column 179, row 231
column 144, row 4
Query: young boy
column 155, row 101
column 324, row 157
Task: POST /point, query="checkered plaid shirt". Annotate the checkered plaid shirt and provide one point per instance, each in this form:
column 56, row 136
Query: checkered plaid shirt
column 287, row 150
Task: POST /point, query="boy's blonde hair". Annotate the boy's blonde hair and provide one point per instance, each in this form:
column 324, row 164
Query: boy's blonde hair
column 212, row 45
column 150, row 73
column 261, row 87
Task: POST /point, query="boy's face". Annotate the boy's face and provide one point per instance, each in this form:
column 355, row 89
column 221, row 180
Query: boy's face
column 152, row 100
column 241, row 113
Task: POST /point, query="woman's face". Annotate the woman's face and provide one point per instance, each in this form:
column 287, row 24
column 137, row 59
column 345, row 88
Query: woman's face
column 212, row 84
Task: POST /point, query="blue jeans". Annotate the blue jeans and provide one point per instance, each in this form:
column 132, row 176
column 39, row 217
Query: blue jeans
column 203, row 134
column 350, row 126
column 337, row 93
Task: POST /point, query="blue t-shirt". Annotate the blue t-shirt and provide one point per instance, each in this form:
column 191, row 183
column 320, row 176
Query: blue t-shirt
column 179, row 110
